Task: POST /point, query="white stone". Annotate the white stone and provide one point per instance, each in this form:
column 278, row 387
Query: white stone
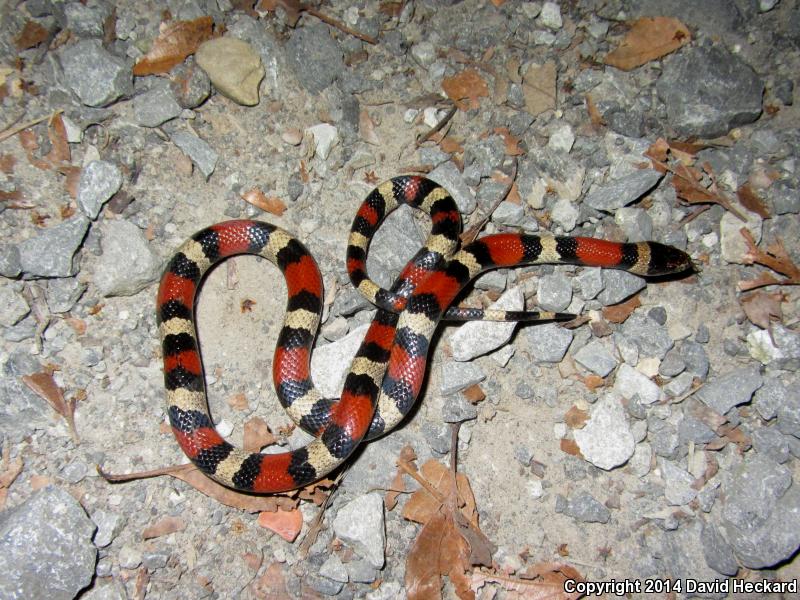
column 326, row 136
column 732, row 243
column 561, row 139
column 550, row 16
column 360, row 525
column 479, row 337
column 606, row 440
column 330, row 363
column 630, row 383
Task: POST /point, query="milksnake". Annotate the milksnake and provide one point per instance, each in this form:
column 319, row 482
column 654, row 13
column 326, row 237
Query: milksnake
column 386, row 374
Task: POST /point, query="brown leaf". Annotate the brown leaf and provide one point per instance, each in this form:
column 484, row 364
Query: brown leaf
column 575, row 418
column 165, row 526
column 194, row 477
column 27, row 139
column 286, row 523
column 511, row 142
column 32, row 35
column 292, row 8
column 543, row 581
column 257, row 435
column 43, row 385
column 474, row 394
column 239, row 402
column 619, row 313
column 78, row 325
column 649, row 38
column 270, row 204
column 371, row 178
column 9, row 471
column 397, row 487
column 7, row 162
column 762, row 308
column 570, row 447
column 72, row 179
column 751, row 201
column 467, row 85
column 366, row 128
column 595, row 117
column 775, row 257
column 57, row 133
column 271, row 585
column 176, row 40
column 450, row 145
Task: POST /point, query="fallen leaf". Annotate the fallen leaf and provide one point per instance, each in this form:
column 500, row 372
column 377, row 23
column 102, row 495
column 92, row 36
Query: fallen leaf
column 474, row 394
column 165, row 526
column 450, row 145
column 32, row 35
column 762, row 308
column 467, row 85
column 176, row 40
column 286, row 523
column 9, row 471
column 510, row 141
column 7, row 162
column 247, row 305
column 45, row 387
column 575, row 418
column 239, row 402
column 570, row 447
column 37, row 482
column 619, row 313
column 593, row 382
column 595, row 118
column 257, row 435
column 775, row 257
column 57, row 133
column 270, row 204
column 371, row 178
column 543, row 581
column 271, row 585
column 78, row 325
column 366, row 128
column 649, row 38
column 751, row 201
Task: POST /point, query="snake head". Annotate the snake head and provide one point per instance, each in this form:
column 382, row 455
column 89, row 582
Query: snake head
column 665, row 260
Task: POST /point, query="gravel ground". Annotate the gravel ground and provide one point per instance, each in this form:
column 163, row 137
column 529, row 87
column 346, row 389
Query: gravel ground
column 660, row 448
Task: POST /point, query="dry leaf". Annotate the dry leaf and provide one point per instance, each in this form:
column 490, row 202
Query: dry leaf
column 271, row 585
column 9, row 471
column 619, row 313
column 450, row 145
column 762, row 308
column 176, row 40
column 649, row 38
column 32, row 35
column 775, row 257
column 511, row 142
column 45, row 387
column 575, row 418
column 467, row 85
column 595, row 117
column 57, row 133
column 270, row 204
column 751, row 201
column 286, row 523
column 570, row 447
column 165, row 526
column 592, row 382
column 239, row 402
column 474, row 394
column 544, row 582
column 257, row 435
column 7, row 162
column 366, row 128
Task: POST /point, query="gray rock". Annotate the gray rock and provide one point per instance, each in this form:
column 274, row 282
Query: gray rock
column 548, row 342
column 550, row 16
column 734, row 388
column 622, row 191
column 485, row 155
column 761, row 518
column 770, row 442
column 127, row 264
column 658, row 314
column 695, row 358
column 46, row 547
column 84, row 21
column 554, row 292
column 619, row 285
column 479, row 337
column 708, row 91
column 789, row 416
column 591, row 282
column 99, row 181
column 130, row 557
column 155, row 106
column 635, row 222
column 396, row 241
column 672, row 365
column 360, row 571
column 677, row 484
column 203, row 156
column 584, row 508
column 10, row 265
column 779, row 349
column 360, row 525
column 651, row 338
column 770, row 396
column 680, row 554
column 785, row 197
column 330, row 363
column 456, row 409
column 108, row 526
column 190, row 84
column 565, row 213
column 424, row 53
column 449, row 177
column 732, row 245
column 21, row 410
column 717, row 551
column 13, row 307
column 596, row 357
column 334, row 570
column 507, row 213
column 694, row 430
column 155, row 560
column 664, row 440
column 459, row 376
column 606, row 440
column 50, row 253
column 63, row 293
column 323, row 585
column 95, row 75
column 630, row 383
column 315, row 57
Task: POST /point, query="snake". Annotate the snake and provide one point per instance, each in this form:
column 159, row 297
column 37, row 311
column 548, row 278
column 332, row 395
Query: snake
column 387, row 372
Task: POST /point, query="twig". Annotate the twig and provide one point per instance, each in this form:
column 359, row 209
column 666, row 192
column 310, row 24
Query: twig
column 438, row 127
column 316, row 525
column 23, row 126
column 470, row 234
column 338, row 24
